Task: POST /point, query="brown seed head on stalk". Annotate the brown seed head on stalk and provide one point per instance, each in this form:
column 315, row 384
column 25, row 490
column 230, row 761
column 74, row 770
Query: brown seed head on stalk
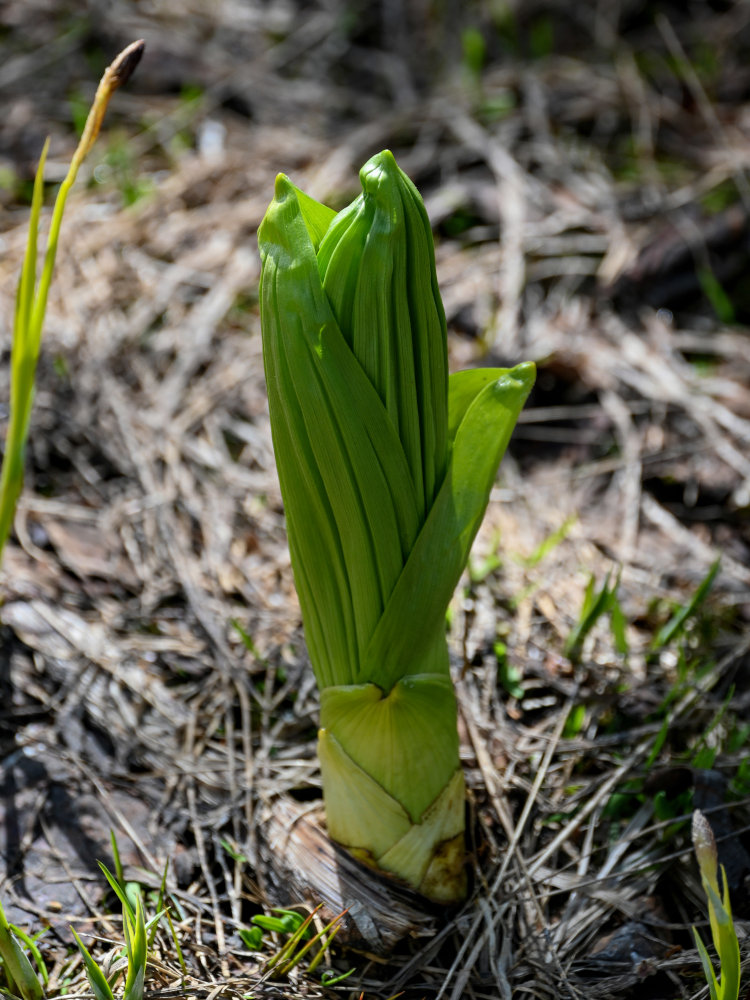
column 115, row 75
column 124, row 65
column 31, row 300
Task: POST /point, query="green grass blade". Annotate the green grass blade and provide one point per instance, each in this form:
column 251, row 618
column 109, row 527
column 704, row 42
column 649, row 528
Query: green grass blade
column 97, row 980
column 331, row 978
column 334, row 926
column 119, row 874
column 160, row 908
column 36, row 954
column 176, row 942
column 595, row 604
column 676, row 623
column 708, row 969
column 18, row 966
column 27, row 281
column 137, row 948
column 119, row 891
column 24, row 356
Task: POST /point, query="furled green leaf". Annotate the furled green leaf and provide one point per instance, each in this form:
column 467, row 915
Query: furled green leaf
column 408, row 627
column 350, row 505
column 373, row 262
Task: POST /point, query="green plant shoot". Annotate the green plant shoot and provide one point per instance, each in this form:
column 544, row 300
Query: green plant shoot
column 724, row 936
column 595, row 604
column 20, row 978
column 386, row 466
column 31, row 298
column 135, row 931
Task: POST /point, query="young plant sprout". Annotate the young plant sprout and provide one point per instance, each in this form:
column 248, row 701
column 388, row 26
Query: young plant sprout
column 723, row 934
column 31, row 299
column 16, row 971
column 386, row 466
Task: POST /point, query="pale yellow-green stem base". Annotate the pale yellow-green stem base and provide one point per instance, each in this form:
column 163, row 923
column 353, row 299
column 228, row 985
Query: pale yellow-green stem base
column 399, row 806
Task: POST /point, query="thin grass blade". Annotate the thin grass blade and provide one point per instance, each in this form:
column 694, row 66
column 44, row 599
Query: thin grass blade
column 97, row 980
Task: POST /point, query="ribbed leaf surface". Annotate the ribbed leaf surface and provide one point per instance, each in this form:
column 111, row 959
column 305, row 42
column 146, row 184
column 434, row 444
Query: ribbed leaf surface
column 347, row 489
column 386, row 467
column 416, row 609
column 373, row 263
column 406, row 740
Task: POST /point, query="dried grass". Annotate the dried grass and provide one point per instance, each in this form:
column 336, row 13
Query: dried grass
column 152, row 519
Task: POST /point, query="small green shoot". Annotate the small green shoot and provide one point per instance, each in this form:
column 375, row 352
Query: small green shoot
column 720, row 916
column 288, row 923
column 714, row 292
column 135, row 931
column 233, row 852
column 575, row 722
column 247, row 640
column 676, row 624
column 596, row 604
column 20, row 978
column 251, row 937
column 119, row 874
column 301, row 939
column 474, row 50
column 290, row 955
column 549, row 543
column 31, row 298
column 509, row 675
column 119, row 889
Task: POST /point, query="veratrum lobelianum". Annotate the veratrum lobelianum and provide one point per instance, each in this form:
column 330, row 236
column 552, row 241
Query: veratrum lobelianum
column 385, row 465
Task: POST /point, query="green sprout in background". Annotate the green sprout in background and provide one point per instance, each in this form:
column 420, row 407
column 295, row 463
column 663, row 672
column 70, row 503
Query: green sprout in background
column 723, row 934
column 31, row 299
column 23, row 982
column 18, row 976
column 385, row 466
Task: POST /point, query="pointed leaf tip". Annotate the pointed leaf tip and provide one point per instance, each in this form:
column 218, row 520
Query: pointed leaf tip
column 524, row 374
column 383, row 163
column 282, row 186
